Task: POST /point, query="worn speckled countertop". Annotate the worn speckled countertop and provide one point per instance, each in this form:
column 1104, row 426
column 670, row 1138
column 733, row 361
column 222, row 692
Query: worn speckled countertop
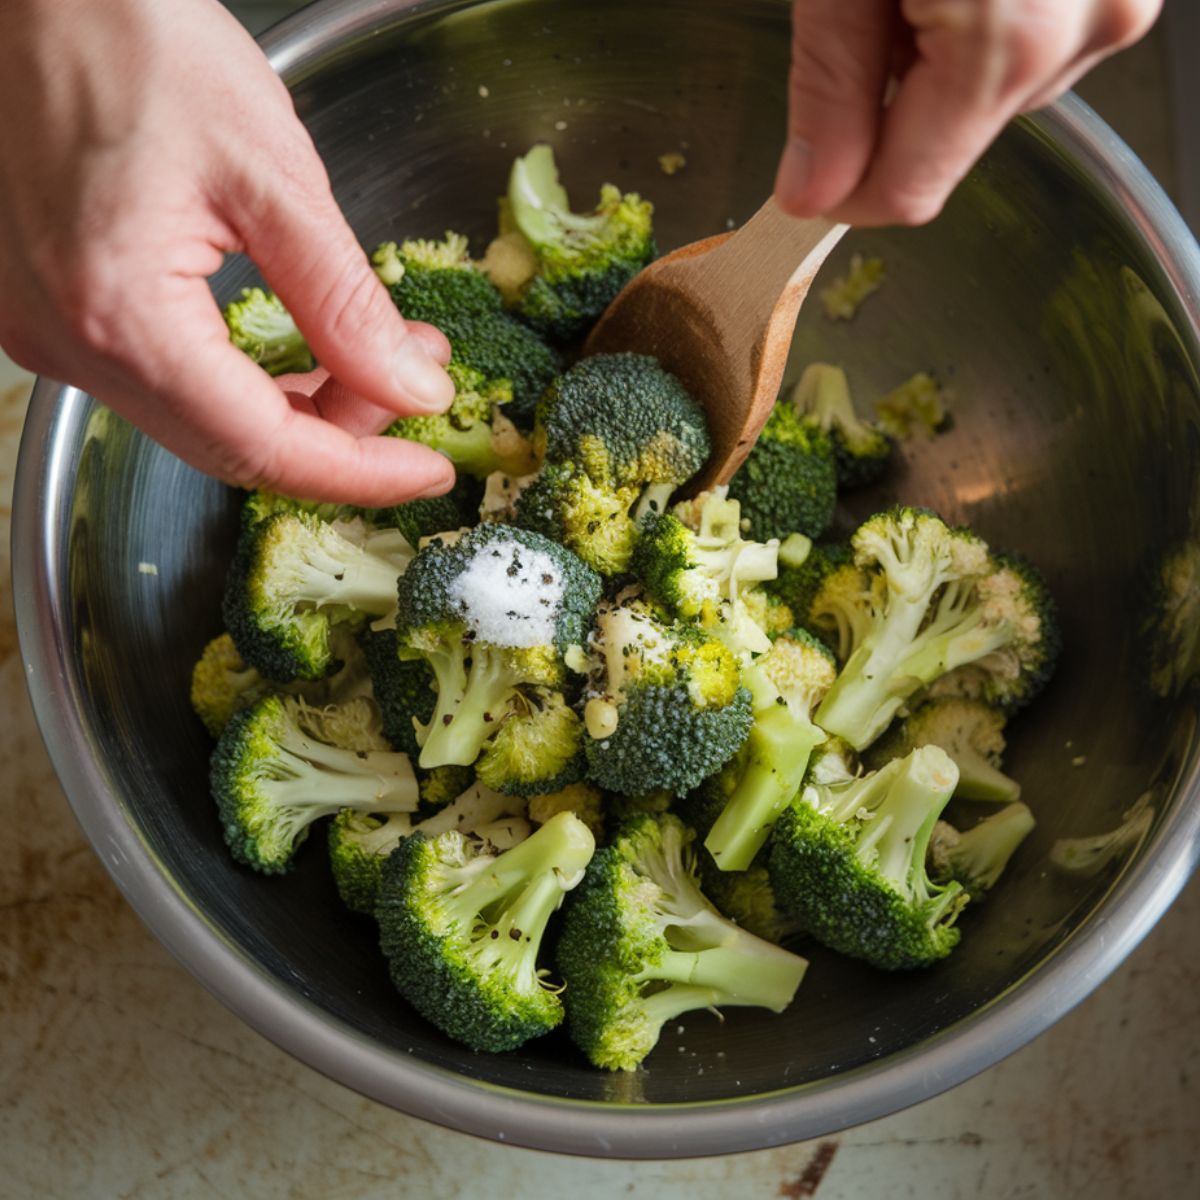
column 121, row 1077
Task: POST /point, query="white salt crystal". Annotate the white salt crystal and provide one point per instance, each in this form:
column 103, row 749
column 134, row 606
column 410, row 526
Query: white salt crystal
column 509, row 595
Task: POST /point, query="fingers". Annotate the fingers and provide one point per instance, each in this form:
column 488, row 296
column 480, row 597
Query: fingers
column 334, row 402
column 841, row 52
column 292, row 228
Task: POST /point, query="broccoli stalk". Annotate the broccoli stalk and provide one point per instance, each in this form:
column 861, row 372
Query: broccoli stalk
column 977, row 857
column 462, row 929
column 848, row 861
column 272, row 776
column 641, row 945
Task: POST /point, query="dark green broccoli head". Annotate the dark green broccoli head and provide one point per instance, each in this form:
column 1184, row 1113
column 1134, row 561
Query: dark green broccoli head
column 441, row 786
column 422, row 518
column 594, row 520
column 578, row 261
column 294, row 577
column 641, row 945
column 799, row 581
column 259, row 326
column 280, row 765
column 491, row 613
column 848, row 862
column 403, row 689
column 666, row 705
column 359, row 845
column 787, row 483
column 537, row 749
column 462, row 929
column 861, row 450
column 624, row 421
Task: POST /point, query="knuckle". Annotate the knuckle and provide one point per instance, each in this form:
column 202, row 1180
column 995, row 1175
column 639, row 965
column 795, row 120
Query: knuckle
column 354, row 306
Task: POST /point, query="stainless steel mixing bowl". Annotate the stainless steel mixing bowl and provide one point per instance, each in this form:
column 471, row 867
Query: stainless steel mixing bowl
column 1057, row 296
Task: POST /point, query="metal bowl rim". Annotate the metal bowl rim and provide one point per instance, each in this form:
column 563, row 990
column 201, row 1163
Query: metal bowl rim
column 41, row 509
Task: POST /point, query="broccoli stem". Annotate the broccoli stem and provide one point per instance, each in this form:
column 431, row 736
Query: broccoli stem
column 364, row 581
column 359, row 778
column 978, row 858
column 468, row 709
column 776, row 757
column 979, row 780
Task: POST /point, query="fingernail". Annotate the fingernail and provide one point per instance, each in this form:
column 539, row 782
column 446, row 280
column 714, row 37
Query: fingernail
column 421, row 379
column 795, row 171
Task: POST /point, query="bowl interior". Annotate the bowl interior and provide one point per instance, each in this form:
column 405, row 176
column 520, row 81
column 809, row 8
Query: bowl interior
column 1034, row 297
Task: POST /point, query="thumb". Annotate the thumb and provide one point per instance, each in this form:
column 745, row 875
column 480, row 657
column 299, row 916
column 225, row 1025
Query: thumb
column 841, row 53
column 300, row 241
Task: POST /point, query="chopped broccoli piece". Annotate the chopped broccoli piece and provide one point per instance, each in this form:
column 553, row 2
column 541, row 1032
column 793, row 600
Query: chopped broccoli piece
column 977, row 858
column 222, row 684
column 575, row 262
column 917, row 406
column 798, row 583
column 462, row 929
column 925, row 600
column 787, row 483
column 491, row 613
column 537, row 749
column 442, row 786
column 294, row 577
column 861, row 450
column 403, row 689
column 666, row 707
column 971, row 732
column 848, row 861
column 842, row 298
column 260, row 327
column 641, row 945
column 419, row 519
column 277, row 769
column 787, row 683
column 261, row 504
column 624, row 421
column 585, row 801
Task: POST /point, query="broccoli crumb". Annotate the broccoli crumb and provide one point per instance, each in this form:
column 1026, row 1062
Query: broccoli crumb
column 671, row 163
column 842, row 298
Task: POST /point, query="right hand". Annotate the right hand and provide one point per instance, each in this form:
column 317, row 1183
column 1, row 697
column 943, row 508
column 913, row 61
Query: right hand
column 141, row 143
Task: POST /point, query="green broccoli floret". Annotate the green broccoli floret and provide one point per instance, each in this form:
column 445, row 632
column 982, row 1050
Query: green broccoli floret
column 442, row 786
column 280, row 765
column 418, row 519
column 492, row 613
column 861, row 450
column 971, row 732
column 462, row 929
column 641, row 945
column 403, row 689
column 260, row 504
column 842, row 298
column 787, row 483
column 259, row 326
column 925, row 600
column 294, row 577
column 918, row 405
column 359, row 843
column 745, row 897
column 624, row 421
column 1006, row 672
column 848, row 861
column 977, row 857
column 787, row 683
column 572, row 264
column 582, row 799
column 665, row 706
column 695, row 562
column 538, row 748
column 437, row 282
column 222, row 684
column 800, row 580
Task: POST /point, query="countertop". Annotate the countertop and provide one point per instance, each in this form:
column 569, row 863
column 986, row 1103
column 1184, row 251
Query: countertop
column 121, row 1077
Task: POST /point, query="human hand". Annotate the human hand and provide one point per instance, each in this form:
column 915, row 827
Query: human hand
column 141, row 143
column 963, row 69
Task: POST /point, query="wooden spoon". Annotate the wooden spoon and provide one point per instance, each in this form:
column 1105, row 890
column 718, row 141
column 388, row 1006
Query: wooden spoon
column 720, row 314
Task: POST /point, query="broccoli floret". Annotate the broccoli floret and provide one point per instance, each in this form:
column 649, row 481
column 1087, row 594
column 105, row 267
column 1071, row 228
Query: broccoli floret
column 491, row 613
column 403, row 689
column 442, row 786
column 593, row 520
column 800, row 579
column 918, row 405
column 222, row 684
column 462, row 929
column 703, row 571
column 537, row 749
column 922, row 601
column 574, row 263
column 641, row 945
column 437, row 282
column 624, row 421
column 585, row 801
column 787, row 683
column 419, row 519
column 842, row 298
column 294, row 577
column 861, row 450
column 359, row 843
column 971, row 732
column 261, row 504
column 1085, row 857
column 977, row 858
column 259, row 326
column 745, row 897
column 787, row 483
column 280, row 765
column 848, row 861
column 665, row 706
